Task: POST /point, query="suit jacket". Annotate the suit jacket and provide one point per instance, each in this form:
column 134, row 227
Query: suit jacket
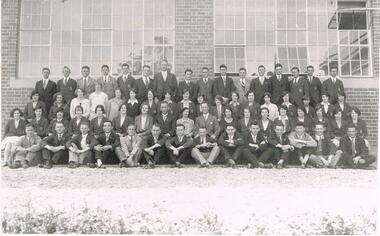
column 74, row 128
column 332, row 89
column 109, row 86
column 274, row 140
column 289, row 124
column 67, row 89
column 121, row 128
column 327, row 147
column 307, row 122
column 336, row 131
column 211, row 124
column 315, row 89
column 298, row 90
column 130, row 144
column 259, row 139
column 29, row 110
column 126, row 86
column 180, row 106
column 242, row 90
column 149, row 141
column 11, row 130
column 77, row 139
column 153, row 109
column 53, row 111
column 243, row 128
column 54, row 122
column 214, row 112
column 292, row 110
column 278, row 87
column 269, row 130
column 324, row 121
column 33, row 143
column 238, row 140
column 206, row 89
column 148, row 125
column 192, row 88
column 186, row 142
column 345, row 145
column 95, row 128
column 361, row 128
column 329, row 113
column 223, row 124
column 310, row 112
column 346, row 111
column 90, row 86
column 254, row 108
column 220, row 89
column 197, row 141
column 46, row 94
column 41, row 127
column 160, row 86
column 167, row 126
column 114, row 140
column 142, row 89
column 259, row 89
column 53, row 140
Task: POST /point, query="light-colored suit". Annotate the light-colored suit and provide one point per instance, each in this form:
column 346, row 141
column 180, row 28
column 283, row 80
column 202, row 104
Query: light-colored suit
column 242, row 90
column 34, row 155
column 131, row 147
column 109, row 87
column 211, row 124
column 90, row 86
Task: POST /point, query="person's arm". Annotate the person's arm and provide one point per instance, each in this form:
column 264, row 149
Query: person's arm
column 187, row 144
column 222, row 141
column 36, row 147
column 216, row 128
column 116, row 143
column 124, row 146
column 169, row 142
column 238, row 141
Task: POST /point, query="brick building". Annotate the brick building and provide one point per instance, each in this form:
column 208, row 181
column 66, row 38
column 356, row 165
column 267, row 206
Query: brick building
column 192, row 34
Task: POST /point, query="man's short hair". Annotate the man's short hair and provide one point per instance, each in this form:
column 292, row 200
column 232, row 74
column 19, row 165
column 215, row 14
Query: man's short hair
column 261, row 66
column 243, row 69
column 310, row 66
column 146, row 66
column 156, row 125
column 45, row 68
column 105, row 66
column 180, row 125
column 132, row 125
column 319, row 123
column 84, row 123
column 125, row 64
column 277, row 65
column 29, row 126
column 300, row 124
column 333, row 67
column 295, row 68
column 188, row 70
column 107, row 121
column 85, row 67
column 222, row 66
column 205, row 68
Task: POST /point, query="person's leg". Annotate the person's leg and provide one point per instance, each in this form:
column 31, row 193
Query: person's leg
column 99, row 157
column 46, row 156
column 226, row 154
column 19, row 160
column 172, row 157
column 335, row 159
column 347, row 160
column 284, row 157
column 198, row 157
column 33, row 158
column 121, row 156
column 73, row 158
column 136, row 158
column 315, row 160
column 237, row 153
column 57, row 156
column 8, row 154
column 213, row 154
column 250, row 157
column 184, row 155
column 159, row 153
column 265, row 155
column 365, row 161
column 87, row 157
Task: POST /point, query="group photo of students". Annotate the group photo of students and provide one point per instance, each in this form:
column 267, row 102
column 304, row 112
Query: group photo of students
column 270, row 121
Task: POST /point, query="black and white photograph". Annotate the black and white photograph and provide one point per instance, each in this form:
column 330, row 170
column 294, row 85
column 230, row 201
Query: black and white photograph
column 192, row 117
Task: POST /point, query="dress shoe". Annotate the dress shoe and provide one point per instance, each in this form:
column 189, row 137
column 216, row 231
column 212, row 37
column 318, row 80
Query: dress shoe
column 16, row 165
column 261, row 165
column 123, row 164
column 91, row 165
column 279, row 166
column 25, row 166
column 181, row 165
column 4, row 164
column 268, row 166
column 303, row 166
column 72, row 165
column 232, row 164
column 207, row 165
column 48, row 165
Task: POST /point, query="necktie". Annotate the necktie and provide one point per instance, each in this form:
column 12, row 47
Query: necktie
column 205, row 81
column 45, row 83
column 124, row 78
column 107, row 137
column 84, row 83
column 59, row 137
column 353, row 147
column 145, row 81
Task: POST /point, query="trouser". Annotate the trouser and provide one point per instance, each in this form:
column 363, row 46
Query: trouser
column 130, row 160
column 9, row 153
column 348, row 161
column 108, row 154
column 48, row 155
column 184, row 154
column 82, row 158
column 231, row 153
column 31, row 158
column 204, row 157
column 316, row 160
column 159, row 152
column 279, row 154
column 255, row 156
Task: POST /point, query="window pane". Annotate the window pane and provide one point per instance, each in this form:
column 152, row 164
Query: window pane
column 355, row 68
column 363, row 53
column 345, row 68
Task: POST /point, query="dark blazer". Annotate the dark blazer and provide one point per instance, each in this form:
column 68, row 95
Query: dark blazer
column 90, row 139
column 259, row 89
column 52, row 140
column 242, row 127
column 121, row 128
column 278, row 87
column 109, row 87
column 310, row 112
column 160, row 86
column 153, row 109
column 74, row 128
column 292, row 111
column 274, row 140
column 328, row 147
column 173, row 108
column 53, row 111
column 220, row 89
column 206, row 89
column 126, row 86
column 269, row 130
column 253, row 108
column 114, row 140
column 41, row 127
column 142, row 89
column 11, row 130
column 54, row 121
column 332, row 89
column 346, row 112
column 186, row 142
column 298, row 90
column 361, row 128
column 192, row 88
column 324, row 121
column 167, row 126
column 90, row 86
column 336, row 131
column 329, row 113
column 67, row 89
column 133, row 110
column 236, row 110
column 95, row 128
column 238, row 140
column 46, row 94
column 214, row 112
column 345, row 145
column 149, row 141
column 197, row 141
column 259, row 139
column 29, row 110
column 315, row 89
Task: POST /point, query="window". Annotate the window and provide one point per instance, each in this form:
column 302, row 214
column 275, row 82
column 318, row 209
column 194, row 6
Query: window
column 94, row 32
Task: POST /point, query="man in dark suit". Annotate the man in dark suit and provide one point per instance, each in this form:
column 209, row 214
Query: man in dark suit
column 165, row 81
column 332, row 86
column 260, row 85
column 143, row 84
column 86, row 83
column 108, row 82
column 299, row 88
column 256, row 151
column 179, row 146
column 46, row 88
column 54, row 146
column 278, row 83
column 108, row 145
column 205, row 150
column 166, row 120
column 188, row 85
column 223, row 85
column 154, row 146
column 126, row 81
column 67, row 85
column 280, row 145
column 205, row 87
column 231, row 145
column 208, row 121
column 355, row 152
column 315, row 87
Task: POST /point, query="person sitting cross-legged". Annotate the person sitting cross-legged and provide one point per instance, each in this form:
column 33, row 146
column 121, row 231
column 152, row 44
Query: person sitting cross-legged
column 257, row 152
column 205, row 150
column 302, row 142
column 27, row 149
column 131, row 147
column 326, row 153
column 179, row 147
column 154, row 146
column 231, row 146
column 54, row 146
column 280, row 145
column 355, row 151
column 108, row 145
column 81, row 146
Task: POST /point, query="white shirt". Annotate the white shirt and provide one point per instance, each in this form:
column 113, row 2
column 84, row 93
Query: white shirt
column 105, row 79
column 334, row 79
column 205, row 80
column 180, row 138
column 143, row 122
column 165, row 116
column 242, row 81
column 125, row 77
column 231, row 137
column 205, row 116
column 107, row 136
column 83, row 142
column 254, row 138
column 295, row 80
column 45, row 82
column 278, row 77
column 16, row 123
column 122, row 118
column 164, row 74
column 261, row 78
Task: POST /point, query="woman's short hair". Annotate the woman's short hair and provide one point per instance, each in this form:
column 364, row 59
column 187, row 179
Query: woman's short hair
column 122, row 106
column 264, row 108
column 13, row 112
column 79, row 107
column 284, row 107
column 237, row 94
column 34, row 92
column 56, row 95
column 184, row 109
column 356, row 110
column 76, row 91
column 101, row 107
column 267, row 94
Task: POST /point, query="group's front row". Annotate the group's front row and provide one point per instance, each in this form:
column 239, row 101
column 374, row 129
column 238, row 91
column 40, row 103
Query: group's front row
column 255, row 149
